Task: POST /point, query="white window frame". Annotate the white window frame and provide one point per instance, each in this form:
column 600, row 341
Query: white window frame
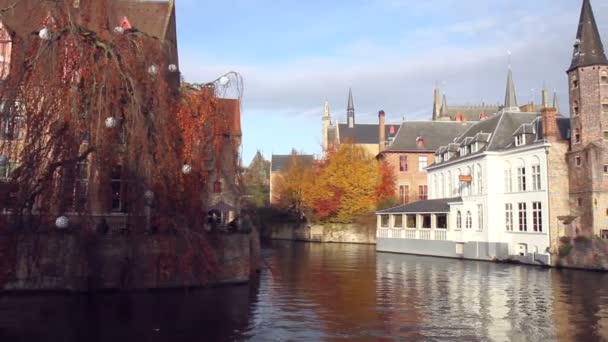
column 469, row 220
column 509, row 216
column 522, row 186
column 537, row 217
column 423, row 162
column 522, row 212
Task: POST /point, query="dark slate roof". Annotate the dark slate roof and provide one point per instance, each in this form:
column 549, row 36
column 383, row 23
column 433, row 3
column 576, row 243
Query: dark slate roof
column 471, row 113
column 590, row 48
column 280, row 163
column 434, row 133
column 502, row 137
column 428, row 206
column 563, row 127
column 365, row 133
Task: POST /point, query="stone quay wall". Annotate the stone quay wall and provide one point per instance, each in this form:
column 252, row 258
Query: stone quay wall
column 71, row 261
column 326, row 233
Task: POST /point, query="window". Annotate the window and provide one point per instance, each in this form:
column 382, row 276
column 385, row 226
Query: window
column 458, row 190
column 403, row 167
column 426, row 221
column 404, row 194
column 422, row 163
column 520, row 140
column 449, row 188
column 537, row 217
column 423, row 192
column 577, row 161
column 117, row 188
column 384, row 221
column 577, row 135
column 480, row 217
column 6, row 46
column 80, row 191
column 605, row 169
column 604, row 77
column 574, row 82
column 410, row 220
column 605, row 135
column 575, row 108
column 479, row 180
column 442, row 221
column 605, row 105
column 521, row 179
column 536, row 179
column 398, row 221
column 467, row 185
column 459, row 220
column 508, row 179
column 579, row 202
column 604, row 234
column 469, row 222
column 509, row 216
column 523, row 217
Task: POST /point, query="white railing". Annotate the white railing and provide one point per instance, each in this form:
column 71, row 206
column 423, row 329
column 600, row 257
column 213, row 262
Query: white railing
column 441, row 235
column 410, row 234
column 413, row 234
column 425, row 234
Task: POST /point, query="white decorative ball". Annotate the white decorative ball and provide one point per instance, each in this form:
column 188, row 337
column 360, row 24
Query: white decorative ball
column 153, row 70
column 186, row 169
column 62, row 222
column 224, row 81
column 119, row 30
column 149, row 195
column 111, row 122
column 44, row 34
column 3, row 160
column 172, row 68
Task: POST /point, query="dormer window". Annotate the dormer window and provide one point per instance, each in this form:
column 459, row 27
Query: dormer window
column 6, row 48
column 520, row 140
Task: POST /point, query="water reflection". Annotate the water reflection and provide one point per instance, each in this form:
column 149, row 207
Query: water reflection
column 314, row 292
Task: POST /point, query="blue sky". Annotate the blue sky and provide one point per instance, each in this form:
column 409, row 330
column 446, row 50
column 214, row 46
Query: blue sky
column 294, row 55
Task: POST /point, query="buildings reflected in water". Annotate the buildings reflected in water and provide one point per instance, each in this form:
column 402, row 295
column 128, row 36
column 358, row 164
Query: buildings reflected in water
column 312, row 292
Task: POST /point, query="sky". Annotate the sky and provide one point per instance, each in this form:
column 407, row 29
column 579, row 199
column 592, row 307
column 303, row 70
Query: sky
column 294, row 55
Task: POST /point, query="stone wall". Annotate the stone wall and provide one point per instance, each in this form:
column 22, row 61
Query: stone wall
column 328, row 233
column 583, row 253
column 69, row 261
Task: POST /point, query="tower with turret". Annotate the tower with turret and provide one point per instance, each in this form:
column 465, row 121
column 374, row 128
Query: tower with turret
column 588, row 157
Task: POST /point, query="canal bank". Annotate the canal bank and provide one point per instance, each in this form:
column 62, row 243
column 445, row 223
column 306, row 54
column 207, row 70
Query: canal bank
column 80, row 261
column 355, row 233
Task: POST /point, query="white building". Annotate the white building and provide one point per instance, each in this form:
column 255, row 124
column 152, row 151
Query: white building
column 489, row 197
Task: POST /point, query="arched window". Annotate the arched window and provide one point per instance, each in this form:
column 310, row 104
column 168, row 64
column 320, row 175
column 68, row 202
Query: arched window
column 508, row 178
column 575, row 108
column 449, row 189
column 458, row 183
column 521, row 176
column 459, row 220
column 469, row 220
column 536, row 176
column 6, row 48
column 479, row 179
column 467, row 185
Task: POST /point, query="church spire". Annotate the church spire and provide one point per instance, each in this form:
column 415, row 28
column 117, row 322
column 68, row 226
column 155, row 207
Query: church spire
column 350, row 109
column 443, row 113
column 436, row 104
column 510, row 97
column 588, row 48
column 555, row 101
column 326, row 111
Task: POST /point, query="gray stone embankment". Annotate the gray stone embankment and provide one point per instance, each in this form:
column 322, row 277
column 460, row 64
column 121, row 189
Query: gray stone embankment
column 583, row 253
column 71, row 261
column 326, row 233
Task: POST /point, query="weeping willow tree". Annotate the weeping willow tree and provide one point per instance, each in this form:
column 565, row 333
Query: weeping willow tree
column 99, row 116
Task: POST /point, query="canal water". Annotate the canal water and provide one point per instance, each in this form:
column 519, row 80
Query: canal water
column 316, row 292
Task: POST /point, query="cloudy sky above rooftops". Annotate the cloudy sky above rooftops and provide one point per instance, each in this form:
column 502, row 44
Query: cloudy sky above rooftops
column 296, row 54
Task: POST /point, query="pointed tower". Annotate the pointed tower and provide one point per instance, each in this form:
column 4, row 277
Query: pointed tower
column 436, row 104
column 545, row 97
column 326, row 123
column 443, row 112
column 556, row 101
column 588, row 95
column 350, row 110
column 510, row 97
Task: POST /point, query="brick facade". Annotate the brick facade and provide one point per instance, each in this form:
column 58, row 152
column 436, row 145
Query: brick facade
column 413, row 177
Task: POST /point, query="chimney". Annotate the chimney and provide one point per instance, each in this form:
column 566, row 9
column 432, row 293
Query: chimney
column 381, row 131
column 420, row 142
column 458, row 117
column 549, row 116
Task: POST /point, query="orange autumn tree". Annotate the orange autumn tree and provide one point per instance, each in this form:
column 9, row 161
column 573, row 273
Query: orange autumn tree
column 291, row 186
column 348, row 182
